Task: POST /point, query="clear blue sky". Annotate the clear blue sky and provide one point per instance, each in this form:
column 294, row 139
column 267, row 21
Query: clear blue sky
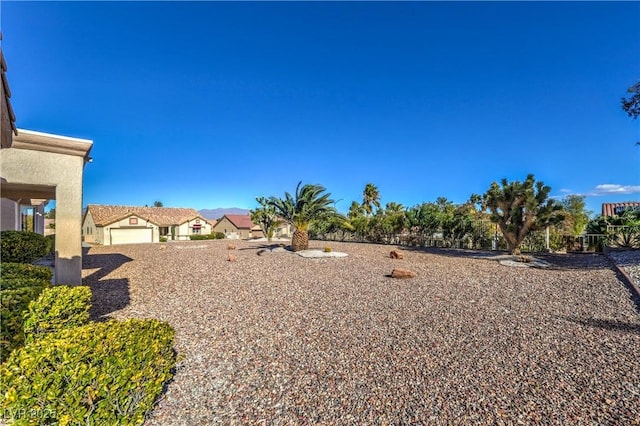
column 210, row 104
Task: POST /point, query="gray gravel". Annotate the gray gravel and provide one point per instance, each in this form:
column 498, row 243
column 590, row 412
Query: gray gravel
column 282, row 339
column 629, row 260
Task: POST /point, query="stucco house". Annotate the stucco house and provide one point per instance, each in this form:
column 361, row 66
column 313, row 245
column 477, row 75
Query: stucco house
column 238, row 226
column 37, row 167
column 109, row 225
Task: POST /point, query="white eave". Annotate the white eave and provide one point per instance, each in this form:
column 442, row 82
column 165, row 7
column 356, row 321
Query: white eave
column 46, row 142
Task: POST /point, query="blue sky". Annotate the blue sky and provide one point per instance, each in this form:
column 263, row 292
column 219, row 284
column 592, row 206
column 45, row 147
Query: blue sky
column 210, row 104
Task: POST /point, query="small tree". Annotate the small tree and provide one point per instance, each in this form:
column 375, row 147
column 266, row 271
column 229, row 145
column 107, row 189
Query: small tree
column 519, row 208
column 266, row 217
column 158, row 204
column 309, row 203
column 576, row 215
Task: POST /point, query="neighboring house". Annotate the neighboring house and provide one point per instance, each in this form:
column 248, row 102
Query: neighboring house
column 35, row 168
column 615, row 209
column 238, row 226
column 109, row 225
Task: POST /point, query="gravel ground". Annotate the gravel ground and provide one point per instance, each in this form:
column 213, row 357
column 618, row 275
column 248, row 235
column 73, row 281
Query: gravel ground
column 280, row 339
column 629, row 260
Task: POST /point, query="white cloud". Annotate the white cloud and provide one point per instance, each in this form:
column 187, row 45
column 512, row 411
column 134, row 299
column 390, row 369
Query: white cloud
column 566, row 191
column 612, row 189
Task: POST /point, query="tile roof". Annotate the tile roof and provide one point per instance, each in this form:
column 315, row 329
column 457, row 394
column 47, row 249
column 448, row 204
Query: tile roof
column 161, row 216
column 240, row 221
column 613, row 209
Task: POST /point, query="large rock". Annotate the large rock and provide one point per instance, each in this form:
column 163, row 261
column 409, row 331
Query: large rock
column 396, row 254
column 402, row 273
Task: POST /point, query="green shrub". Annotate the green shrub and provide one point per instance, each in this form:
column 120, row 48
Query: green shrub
column 55, row 309
column 219, row 235
column 21, row 246
column 99, row 374
column 51, row 244
column 14, row 282
column 11, row 270
column 206, row 236
column 163, row 239
column 13, row 304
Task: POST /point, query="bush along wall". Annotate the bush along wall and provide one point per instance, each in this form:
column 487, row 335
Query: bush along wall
column 15, row 295
column 22, row 246
column 24, row 270
column 97, row 374
column 57, row 308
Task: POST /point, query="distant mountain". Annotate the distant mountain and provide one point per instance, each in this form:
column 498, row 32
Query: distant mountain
column 218, row 213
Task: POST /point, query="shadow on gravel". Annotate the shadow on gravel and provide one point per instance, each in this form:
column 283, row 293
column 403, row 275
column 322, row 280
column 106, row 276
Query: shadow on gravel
column 108, row 295
column 605, row 324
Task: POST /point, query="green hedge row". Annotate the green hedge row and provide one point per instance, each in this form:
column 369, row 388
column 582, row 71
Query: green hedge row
column 22, row 246
column 56, row 309
column 20, row 284
column 98, row 374
column 13, row 270
column 13, row 304
column 213, row 236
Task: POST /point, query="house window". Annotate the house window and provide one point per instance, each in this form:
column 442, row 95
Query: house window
column 133, row 221
column 196, row 230
column 164, row 231
column 89, row 230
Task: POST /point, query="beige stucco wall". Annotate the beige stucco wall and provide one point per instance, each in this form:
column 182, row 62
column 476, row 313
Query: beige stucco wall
column 64, row 172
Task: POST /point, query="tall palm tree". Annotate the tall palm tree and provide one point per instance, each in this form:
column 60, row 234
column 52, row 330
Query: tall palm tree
column 370, row 198
column 310, row 202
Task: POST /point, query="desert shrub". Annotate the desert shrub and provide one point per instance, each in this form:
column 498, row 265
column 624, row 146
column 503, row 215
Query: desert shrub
column 219, row 235
column 13, row 304
column 327, row 249
column 21, row 246
column 163, row 239
column 55, row 309
column 98, row 374
column 12, row 270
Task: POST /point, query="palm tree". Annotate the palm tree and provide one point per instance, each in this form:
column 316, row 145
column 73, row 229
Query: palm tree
column 370, row 198
column 310, row 202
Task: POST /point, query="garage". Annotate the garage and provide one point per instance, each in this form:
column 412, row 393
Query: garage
column 131, row 235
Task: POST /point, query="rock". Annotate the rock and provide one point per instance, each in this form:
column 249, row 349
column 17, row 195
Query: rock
column 402, row 273
column 231, row 246
column 396, row 254
column 232, row 258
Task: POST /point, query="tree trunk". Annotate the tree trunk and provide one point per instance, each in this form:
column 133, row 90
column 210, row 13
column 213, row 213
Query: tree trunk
column 300, row 240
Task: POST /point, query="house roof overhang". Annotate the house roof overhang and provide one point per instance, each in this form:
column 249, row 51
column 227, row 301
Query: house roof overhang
column 47, row 142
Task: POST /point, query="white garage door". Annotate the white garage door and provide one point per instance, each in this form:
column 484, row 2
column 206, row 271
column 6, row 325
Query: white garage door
column 131, row 235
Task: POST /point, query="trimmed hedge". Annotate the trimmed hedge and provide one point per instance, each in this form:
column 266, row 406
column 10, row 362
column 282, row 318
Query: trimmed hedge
column 55, row 309
column 22, row 246
column 213, row 236
column 13, row 304
column 98, row 374
column 12, row 270
column 51, row 243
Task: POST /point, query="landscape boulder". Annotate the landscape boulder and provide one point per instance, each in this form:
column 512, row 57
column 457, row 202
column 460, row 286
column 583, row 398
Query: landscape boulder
column 232, row 258
column 402, row 273
column 396, row 254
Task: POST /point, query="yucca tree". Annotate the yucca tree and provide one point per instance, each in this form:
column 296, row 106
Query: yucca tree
column 310, row 202
column 521, row 207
